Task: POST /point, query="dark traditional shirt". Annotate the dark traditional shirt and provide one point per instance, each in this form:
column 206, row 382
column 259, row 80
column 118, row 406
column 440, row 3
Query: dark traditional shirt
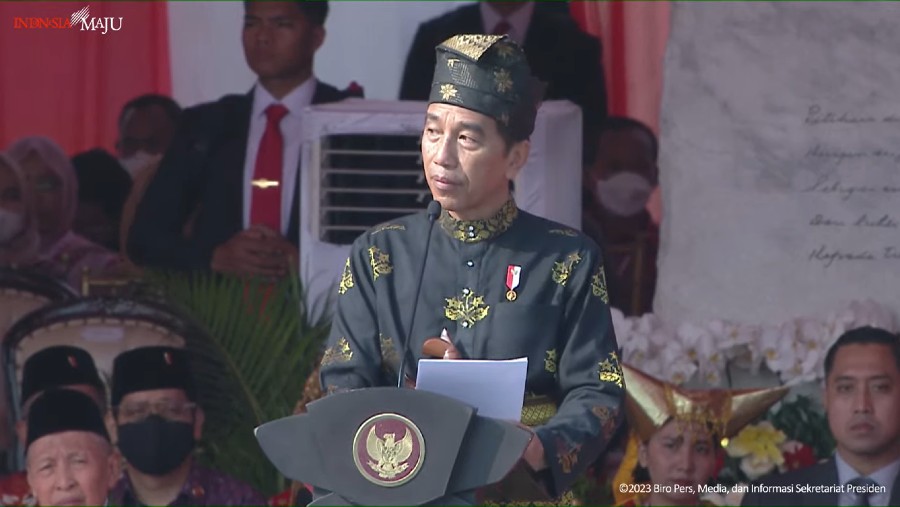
column 557, row 315
column 202, row 487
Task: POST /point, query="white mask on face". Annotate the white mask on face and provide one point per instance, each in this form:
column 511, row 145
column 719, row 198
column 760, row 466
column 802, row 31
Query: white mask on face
column 138, row 162
column 624, row 194
column 11, row 224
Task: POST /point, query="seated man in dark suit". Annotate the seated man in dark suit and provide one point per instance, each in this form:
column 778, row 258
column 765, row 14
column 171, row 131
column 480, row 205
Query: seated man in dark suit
column 862, row 401
column 233, row 165
column 558, row 51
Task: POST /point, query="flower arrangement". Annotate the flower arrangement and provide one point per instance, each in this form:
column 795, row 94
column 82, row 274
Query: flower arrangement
column 795, row 435
column 794, row 350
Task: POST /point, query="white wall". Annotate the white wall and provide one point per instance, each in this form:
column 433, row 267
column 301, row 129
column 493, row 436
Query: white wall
column 367, row 42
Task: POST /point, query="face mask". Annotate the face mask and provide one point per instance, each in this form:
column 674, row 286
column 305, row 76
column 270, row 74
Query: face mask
column 11, row 224
column 138, row 162
column 156, row 446
column 624, row 194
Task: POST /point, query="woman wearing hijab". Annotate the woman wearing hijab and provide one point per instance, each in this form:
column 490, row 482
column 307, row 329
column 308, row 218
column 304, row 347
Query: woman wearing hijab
column 19, row 241
column 52, row 181
column 675, row 435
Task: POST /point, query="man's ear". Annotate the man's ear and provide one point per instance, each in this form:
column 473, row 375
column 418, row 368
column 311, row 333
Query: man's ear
column 318, row 34
column 515, row 160
column 114, row 462
column 199, row 419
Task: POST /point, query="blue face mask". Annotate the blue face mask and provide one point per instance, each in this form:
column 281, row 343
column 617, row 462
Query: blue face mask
column 156, row 446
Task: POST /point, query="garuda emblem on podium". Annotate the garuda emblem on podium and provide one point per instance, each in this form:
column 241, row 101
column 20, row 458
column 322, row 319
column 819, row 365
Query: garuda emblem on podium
column 388, row 449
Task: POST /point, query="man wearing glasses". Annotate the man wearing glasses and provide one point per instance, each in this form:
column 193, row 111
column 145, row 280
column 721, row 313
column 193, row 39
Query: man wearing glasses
column 157, row 422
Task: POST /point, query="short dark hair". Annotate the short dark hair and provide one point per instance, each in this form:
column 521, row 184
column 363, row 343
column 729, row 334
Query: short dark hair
column 316, row 11
column 102, row 181
column 866, row 335
column 168, row 104
column 620, row 123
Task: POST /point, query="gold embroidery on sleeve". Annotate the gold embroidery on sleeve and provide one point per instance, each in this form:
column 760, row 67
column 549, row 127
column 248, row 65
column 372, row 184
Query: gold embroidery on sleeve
column 567, row 457
column 607, row 418
column 598, row 285
column 610, row 370
column 563, row 270
column 338, row 353
column 346, row 279
column 380, row 262
column 467, row 309
column 550, row 361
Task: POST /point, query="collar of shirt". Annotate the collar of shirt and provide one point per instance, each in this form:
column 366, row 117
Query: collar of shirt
column 295, row 101
column 191, row 491
column 884, row 476
column 518, row 20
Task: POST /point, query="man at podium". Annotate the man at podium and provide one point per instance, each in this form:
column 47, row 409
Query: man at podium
column 503, row 283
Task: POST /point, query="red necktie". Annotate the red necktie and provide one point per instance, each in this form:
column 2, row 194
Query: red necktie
column 502, row 28
column 265, row 197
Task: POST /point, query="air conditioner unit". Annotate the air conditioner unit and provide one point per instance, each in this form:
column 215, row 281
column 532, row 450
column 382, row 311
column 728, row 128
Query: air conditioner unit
column 362, row 166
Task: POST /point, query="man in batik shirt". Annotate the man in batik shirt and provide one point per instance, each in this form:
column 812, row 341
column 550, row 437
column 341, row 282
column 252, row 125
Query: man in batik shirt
column 502, row 282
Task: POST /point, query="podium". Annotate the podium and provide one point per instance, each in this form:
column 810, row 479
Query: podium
column 389, row 446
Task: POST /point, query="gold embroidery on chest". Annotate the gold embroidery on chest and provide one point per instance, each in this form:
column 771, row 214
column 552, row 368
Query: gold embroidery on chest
column 346, row 279
column 550, row 361
column 338, row 353
column 467, row 308
column 380, row 262
column 598, row 285
column 563, row 270
column 388, row 227
column 610, row 370
column 388, row 352
column 473, row 231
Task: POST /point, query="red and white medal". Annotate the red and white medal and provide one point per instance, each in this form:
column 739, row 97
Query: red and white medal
column 512, row 281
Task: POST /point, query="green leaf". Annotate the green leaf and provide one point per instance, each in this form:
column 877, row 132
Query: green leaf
column 252, row 366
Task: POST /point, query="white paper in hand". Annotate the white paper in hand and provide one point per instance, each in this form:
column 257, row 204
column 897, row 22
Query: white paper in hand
column 495, row 388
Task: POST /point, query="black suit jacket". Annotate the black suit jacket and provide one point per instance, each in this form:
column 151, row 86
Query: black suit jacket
column 203, row 171
column 824, row 473
column 559, row 53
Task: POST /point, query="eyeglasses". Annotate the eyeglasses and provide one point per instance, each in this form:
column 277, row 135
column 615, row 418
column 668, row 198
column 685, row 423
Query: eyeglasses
column 166, row 409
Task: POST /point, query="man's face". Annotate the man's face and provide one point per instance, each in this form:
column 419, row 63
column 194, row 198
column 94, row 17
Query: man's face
column 146, row 129
column 467, row 164
column 279, row 41
column 627, row 150
column 170, row 404
column 71, row 468
column 862, row 400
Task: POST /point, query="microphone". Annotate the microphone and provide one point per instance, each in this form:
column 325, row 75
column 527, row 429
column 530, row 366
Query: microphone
column 434, row 211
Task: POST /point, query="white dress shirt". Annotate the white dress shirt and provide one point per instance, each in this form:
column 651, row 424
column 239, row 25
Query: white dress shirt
column 518, row 20
column 884, row 476
column 295, row 102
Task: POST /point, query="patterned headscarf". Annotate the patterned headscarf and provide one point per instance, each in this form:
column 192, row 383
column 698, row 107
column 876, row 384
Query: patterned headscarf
column 53, row 156
column 24, row 248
